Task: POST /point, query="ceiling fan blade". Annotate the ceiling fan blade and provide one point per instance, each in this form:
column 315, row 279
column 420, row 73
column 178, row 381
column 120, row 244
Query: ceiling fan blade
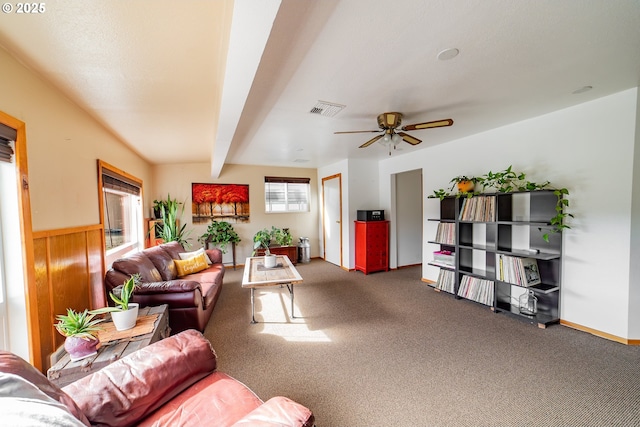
column 359, row 131
column 410, row 139
column 427, row 125
column 371, row 141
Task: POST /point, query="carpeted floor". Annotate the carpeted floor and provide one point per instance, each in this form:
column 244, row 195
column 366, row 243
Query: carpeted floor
column 387, row 350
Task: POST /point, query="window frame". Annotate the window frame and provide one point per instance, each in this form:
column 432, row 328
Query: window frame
column 286, row 181
column 137, row 244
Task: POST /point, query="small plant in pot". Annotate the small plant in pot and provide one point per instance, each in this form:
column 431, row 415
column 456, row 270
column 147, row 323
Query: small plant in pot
column 464, row 184
column 125, row 313
column 282, row 236
column 263, row 239
column 81, row 332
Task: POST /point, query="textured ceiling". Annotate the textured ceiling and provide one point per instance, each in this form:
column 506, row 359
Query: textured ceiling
column 159, row 75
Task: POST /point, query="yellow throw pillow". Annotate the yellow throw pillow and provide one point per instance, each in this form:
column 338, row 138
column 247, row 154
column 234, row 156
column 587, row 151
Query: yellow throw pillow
column 191, row 265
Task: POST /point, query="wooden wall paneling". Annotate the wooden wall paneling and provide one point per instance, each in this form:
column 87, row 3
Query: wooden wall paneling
column 48, row 340
column 68, row 272
column 95, row 264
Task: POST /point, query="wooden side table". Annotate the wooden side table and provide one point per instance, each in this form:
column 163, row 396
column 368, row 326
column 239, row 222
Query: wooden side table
column 65, row 371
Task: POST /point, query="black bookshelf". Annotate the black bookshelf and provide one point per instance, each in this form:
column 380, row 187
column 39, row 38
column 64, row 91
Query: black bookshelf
column 511, row 224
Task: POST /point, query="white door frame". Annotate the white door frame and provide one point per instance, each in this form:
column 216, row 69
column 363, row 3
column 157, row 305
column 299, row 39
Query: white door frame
column 324, row 218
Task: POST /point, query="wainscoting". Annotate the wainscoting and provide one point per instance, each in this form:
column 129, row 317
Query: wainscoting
column 69, row 273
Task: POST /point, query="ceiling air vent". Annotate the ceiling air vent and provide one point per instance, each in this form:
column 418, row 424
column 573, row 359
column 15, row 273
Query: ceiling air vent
column 327, row 109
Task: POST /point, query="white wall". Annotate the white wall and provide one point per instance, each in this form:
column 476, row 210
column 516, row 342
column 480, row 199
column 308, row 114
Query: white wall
column 589, row 149
column 63, row 144
column 176, row 180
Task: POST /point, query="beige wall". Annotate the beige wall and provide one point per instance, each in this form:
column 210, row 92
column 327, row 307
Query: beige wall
column 63, row 144
column 176, row 180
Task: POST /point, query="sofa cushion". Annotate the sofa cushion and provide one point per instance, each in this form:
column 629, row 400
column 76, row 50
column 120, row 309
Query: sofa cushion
column 191, row 265
column 140, row 264
column 162, row 261
column 22, row 404
column 174, row 249
column 130, row 388
column 210, row 282
column 11, row 364
column 187, row 255
column 218, row 399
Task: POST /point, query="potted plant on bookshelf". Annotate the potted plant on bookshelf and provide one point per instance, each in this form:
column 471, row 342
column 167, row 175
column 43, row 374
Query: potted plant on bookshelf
column 464, row 184
column 81, row 332
column 263, row 239
column 220, row 234
column 125, row 313
column 508, row 180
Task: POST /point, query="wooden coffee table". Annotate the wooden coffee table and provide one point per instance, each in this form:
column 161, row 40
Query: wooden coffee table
column 65, row 371
column 256, row 275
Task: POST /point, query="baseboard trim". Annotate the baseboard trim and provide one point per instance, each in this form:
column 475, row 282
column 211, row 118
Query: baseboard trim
column 598, row 333
column 431, row 282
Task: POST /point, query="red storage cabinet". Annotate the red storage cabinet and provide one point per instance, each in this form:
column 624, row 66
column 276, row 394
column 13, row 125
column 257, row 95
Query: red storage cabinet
column 372, row 246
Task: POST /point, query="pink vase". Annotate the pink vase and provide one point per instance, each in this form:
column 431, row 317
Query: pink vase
column 79, row 348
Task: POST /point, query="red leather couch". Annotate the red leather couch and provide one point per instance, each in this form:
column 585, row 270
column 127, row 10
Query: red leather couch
column 190, row 298
column 173, row 382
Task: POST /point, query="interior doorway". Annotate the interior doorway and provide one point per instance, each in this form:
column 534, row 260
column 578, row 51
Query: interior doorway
column 409, row 219
column 332, row 218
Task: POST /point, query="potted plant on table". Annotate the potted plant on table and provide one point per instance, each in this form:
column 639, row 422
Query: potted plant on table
column 125, row 313
column 263, row 239
column 219, row 233
column 81, row 332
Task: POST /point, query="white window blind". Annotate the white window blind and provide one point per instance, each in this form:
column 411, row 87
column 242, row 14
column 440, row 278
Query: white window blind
column 283, row 194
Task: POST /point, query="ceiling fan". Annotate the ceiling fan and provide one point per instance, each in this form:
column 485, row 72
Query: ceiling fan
column 389, row 122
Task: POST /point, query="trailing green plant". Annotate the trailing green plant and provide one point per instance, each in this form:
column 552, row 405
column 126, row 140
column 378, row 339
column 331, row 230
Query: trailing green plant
column 262, row 238
column 169, row 231
column 220, row 233
column 507, row 181
column 78, row 324
column 282, row 236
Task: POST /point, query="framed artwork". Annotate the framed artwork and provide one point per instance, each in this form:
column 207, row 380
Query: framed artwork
column 220, row 202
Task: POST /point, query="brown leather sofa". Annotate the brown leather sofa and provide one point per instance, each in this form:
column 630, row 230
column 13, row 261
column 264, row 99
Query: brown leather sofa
column 190, row 298
column 173, row 382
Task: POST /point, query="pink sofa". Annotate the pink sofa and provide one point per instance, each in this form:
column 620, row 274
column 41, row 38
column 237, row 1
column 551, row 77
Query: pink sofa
column 173, row 382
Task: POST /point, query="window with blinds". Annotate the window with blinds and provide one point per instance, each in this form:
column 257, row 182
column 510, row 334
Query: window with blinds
column 286, row 194
column 122, row 214
column 7, row 136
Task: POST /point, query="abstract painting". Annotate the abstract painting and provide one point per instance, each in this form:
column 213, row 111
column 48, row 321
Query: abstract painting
column 219, row 202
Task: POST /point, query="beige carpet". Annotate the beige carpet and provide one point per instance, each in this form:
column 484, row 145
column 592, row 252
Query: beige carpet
column 387, row 350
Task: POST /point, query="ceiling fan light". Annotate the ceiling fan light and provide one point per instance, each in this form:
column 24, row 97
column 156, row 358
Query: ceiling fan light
column 396, row 139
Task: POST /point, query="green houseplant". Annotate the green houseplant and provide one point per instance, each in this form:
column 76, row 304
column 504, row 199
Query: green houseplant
column 220, row 233
column 464, row 184
column 282, row 236
column 508, row 180
column 125, row 313
column 80, row 330
column 170, row 210
column 262, row 238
